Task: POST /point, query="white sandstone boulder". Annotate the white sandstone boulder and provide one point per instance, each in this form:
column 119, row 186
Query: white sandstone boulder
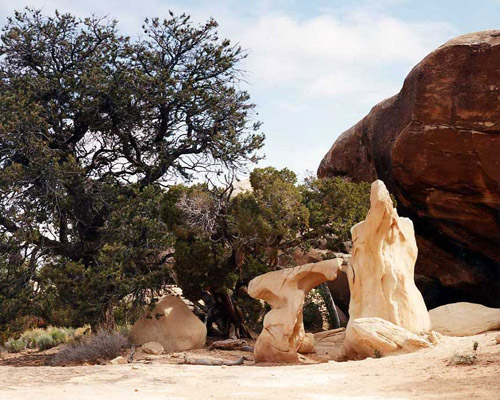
column 464, row 319
column 172, row 324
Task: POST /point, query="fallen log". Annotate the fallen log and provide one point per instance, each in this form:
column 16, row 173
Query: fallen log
column 327, row 334
column 231, row 344
column 203, row 361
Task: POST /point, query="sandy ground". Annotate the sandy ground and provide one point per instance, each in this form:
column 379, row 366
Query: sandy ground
column 426, row 374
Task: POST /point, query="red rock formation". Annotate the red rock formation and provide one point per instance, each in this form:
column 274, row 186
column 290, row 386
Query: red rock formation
column 436, row 145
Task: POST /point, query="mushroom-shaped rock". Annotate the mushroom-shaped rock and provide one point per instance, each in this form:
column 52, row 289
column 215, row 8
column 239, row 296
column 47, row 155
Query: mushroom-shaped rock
column 172, row 324
column 285, row 290
column 381, row 279
column 464, row 319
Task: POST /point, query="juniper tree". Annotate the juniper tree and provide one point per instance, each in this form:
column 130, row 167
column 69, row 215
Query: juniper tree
column 90, row 122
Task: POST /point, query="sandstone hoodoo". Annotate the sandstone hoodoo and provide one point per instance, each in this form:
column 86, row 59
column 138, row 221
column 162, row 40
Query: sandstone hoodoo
column 436, row 145
column 285, row 290
column 385, row 305
column 172, row 325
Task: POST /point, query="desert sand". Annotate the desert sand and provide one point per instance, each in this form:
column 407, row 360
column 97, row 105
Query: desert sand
column 425, row 374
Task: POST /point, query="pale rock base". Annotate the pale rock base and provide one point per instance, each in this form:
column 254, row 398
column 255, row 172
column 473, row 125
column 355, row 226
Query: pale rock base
column 376, row 337
column 464, row 319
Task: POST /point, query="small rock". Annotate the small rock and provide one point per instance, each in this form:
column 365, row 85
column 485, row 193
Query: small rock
column 497, row 338
column 119, row 360
column 152, row 348
column 435, row 337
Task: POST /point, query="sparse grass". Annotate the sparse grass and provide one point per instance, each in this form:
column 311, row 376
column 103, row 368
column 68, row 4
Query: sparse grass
column 104, row 345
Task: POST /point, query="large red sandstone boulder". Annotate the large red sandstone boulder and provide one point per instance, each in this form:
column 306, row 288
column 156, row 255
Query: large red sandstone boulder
column 436, row 145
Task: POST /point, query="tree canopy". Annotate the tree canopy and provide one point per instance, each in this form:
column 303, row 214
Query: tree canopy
column 101, row 137
column 91, row 121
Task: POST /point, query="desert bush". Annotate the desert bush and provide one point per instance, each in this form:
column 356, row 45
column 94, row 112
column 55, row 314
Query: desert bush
column 39, row 338
column 15, row 345
column 44, row 342
column 103, row 345
column 30, row 337
column 60, row 335
column 34, row 337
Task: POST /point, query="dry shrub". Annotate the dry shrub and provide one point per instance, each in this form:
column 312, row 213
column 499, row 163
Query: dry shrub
column 463, row 359
column 103, row 345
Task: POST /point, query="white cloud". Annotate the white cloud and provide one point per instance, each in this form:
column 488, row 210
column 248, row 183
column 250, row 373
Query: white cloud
column 329, row 56
column 312, row 75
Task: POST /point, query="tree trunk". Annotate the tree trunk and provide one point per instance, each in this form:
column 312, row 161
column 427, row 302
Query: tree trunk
column 324, row 290
column 236, row 327
column 107, row 321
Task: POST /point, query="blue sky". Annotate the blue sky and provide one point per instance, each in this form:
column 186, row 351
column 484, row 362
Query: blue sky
column 314, row 67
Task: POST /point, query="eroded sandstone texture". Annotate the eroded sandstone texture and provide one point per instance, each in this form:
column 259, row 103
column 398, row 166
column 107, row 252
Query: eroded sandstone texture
column 376, row 337
column 285, row 290
column 436, row 145
column 381, row 276
column 171, row 324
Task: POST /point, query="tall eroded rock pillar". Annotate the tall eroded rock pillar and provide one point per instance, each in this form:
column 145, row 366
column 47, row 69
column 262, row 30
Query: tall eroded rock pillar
column 381, row 279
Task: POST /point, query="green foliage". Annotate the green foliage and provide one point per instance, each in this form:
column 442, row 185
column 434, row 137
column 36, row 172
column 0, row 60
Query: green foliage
column 58, row 336
column 201, row 264
column 253, row 311
column 335, row 205
column 30, row 337
column 271, row 218
column 92, row 125
column 15, row 346
column 223, row 241
column 45, row 342
column 314, row 312
column 41, row 339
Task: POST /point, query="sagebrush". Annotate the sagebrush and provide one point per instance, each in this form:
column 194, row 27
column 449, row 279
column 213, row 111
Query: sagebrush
column 101, row 346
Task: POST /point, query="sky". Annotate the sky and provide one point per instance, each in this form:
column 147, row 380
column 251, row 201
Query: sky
column 314, row 67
